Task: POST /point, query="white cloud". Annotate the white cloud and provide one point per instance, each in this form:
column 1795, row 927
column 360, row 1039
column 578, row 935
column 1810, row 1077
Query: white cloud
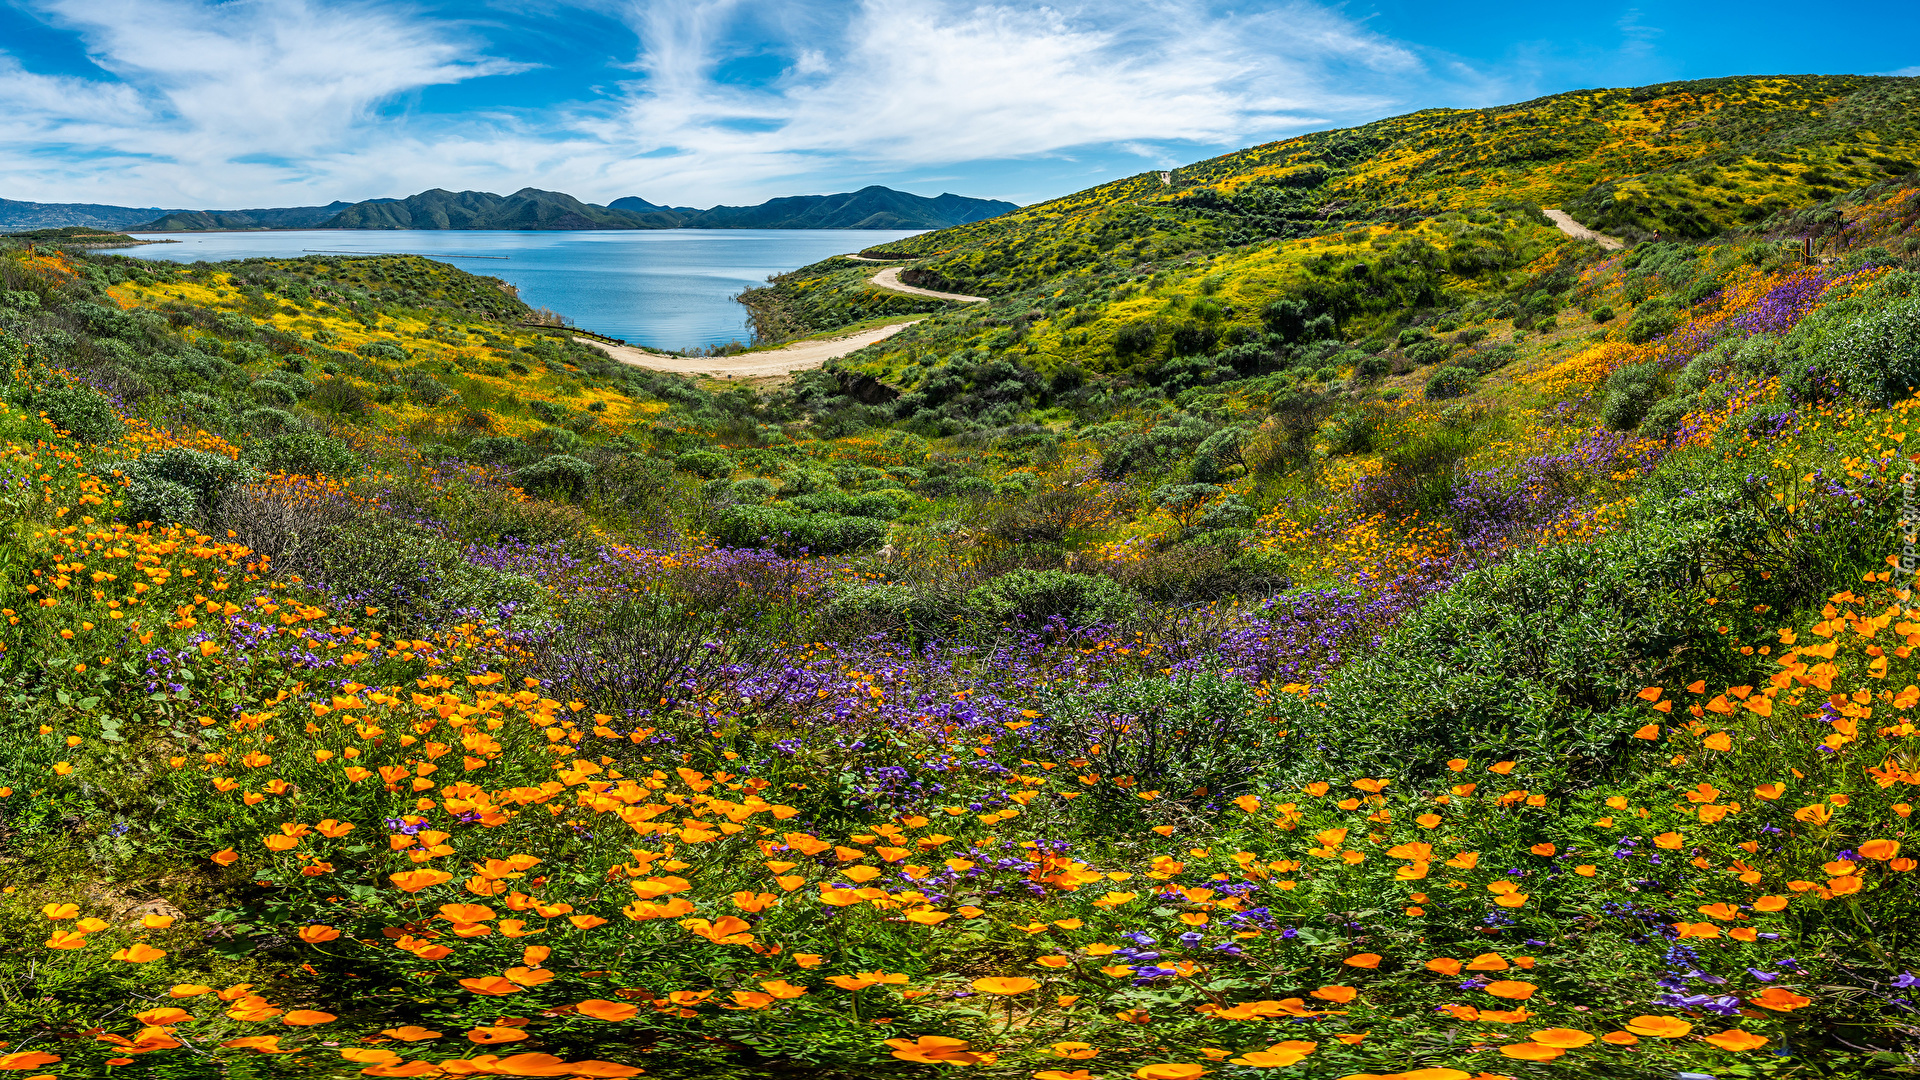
column 278, row 102
column 922, row 82
column 214, row 100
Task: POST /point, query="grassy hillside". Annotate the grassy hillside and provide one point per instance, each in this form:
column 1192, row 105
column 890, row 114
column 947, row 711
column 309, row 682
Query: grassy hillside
column 1428, row 647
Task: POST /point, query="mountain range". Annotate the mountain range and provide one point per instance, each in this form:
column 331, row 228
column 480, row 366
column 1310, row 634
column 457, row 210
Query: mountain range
column 529, row 208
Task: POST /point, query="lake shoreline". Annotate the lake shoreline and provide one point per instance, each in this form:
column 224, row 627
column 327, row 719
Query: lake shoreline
column 662, row 289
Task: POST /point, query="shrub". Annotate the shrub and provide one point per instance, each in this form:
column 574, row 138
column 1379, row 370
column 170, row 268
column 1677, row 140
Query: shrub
column 1035, row 596
column 1664, row 418
column 499, row 450
column 1198, row 737
column 1430, row 351
column 754, row 489
column 381, row 350
column 1651, row 320
column 789, row 533
column 1877, row 355
column 266, row 421
column 704, row 463
column 1541, row 657
column 338, row 395
column 80, row 411
column 1451, row 382
column 415, row 578
column 302, row 453
column 868, row 504
column 862, row 608
column 177, row 486
column 269, row 392
column 1631, row 391
column 556, row 476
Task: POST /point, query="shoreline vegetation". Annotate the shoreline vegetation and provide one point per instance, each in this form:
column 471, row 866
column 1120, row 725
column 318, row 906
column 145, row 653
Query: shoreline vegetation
column 1315, row 619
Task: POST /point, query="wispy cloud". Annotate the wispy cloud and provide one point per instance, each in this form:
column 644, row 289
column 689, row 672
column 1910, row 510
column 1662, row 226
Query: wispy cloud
column 275, row 101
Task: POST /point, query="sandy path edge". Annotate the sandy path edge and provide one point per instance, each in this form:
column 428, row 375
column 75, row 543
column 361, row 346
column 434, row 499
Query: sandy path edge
column 890, row 279
column 1565, row 223
column 785, row 360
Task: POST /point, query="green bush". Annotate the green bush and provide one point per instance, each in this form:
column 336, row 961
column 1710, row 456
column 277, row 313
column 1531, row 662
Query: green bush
column 1603, row 314
column 861, row 608
column 709, row 464
column 80, row 411
column 1650, row 320
column 867, row 504
column 1198, row 738
column 414, row 578
column 1540, row 658
column 556, row 476
column 790, row 533
column 1451, row 382
column 381, row 350
column 1035, row 596
column 1631, row 391
column 1664, row 418
column 1876, row 356
column 302, row 453
column 177, row 486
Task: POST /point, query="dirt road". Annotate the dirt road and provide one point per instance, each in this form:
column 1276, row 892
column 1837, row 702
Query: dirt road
column 785, row 360
column 1578, row 231
column 890, row 279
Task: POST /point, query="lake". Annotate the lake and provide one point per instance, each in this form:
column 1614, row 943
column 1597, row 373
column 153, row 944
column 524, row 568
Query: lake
column 663, row 288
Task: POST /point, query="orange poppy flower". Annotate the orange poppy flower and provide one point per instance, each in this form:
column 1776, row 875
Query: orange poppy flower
column 1737, row 1040
column 1659, row 1027
column 1619, row 1038
column 1513, row 991
column 1444, row 965
column 489, row 1036
column 1880, row 850
column 493, row 985
column 1531, row 1051
column 1780, row 999
column 317, row 933
column 412, row 881
column 1564, row 1038
column 307, row 1018
column 1169, row 1071
column 1339, row 995
column 614, row 1011
column 1363, row 960
column 1005, row 987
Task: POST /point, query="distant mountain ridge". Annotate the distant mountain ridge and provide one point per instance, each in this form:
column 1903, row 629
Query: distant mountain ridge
column 15, row 214
column 533, row 209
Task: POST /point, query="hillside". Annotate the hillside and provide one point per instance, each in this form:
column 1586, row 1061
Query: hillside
column 1425, row 647
column 17, row 215
column 530, row 208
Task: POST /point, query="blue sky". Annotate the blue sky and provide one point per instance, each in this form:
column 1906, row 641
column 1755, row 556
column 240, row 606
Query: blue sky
column 246, row 103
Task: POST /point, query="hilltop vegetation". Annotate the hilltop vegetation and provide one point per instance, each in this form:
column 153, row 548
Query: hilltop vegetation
column 1405, row 643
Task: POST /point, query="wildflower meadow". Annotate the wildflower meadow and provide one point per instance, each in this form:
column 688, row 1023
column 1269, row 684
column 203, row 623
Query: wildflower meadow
column 1514, row 682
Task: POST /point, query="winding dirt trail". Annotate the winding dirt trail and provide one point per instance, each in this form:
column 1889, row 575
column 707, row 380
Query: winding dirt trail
column 890, row 279
column 785, row 360
column 1564, row 221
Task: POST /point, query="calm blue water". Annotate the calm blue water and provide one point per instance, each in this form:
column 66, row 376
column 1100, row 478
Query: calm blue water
column 665, row 288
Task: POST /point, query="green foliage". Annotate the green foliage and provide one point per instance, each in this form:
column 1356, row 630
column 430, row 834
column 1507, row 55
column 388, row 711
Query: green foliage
column 1876, row 356
column 1631, row 392
column 1451, row 382
column 789, row 533
column 556, row 476
column 79, row 410
column 710, row 464
column 178, row 486
column 1035, row 596
column 416, row 579
column 299, row 452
